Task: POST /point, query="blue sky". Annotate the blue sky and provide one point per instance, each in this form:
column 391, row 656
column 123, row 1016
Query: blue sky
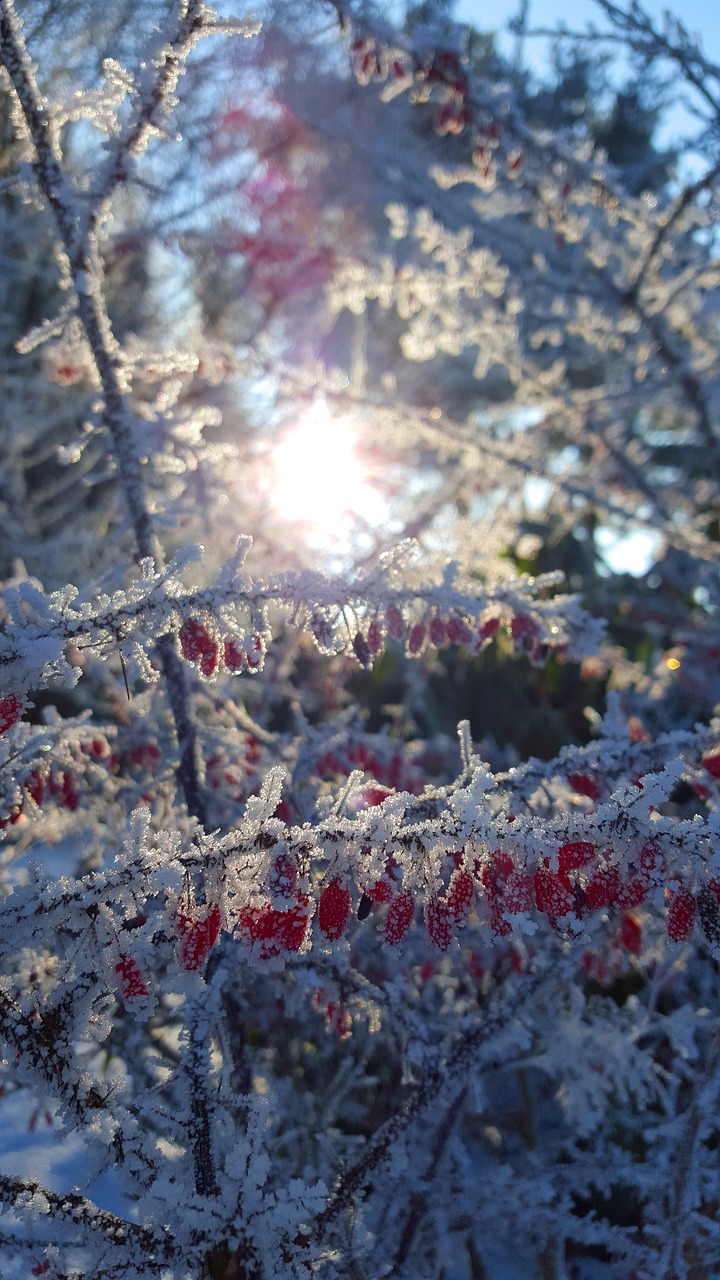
column 701, row 17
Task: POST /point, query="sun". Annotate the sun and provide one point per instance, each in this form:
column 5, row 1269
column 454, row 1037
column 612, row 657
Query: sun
column 319, row 480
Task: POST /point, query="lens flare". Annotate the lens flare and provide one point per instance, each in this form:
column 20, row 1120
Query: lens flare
column 319, row 480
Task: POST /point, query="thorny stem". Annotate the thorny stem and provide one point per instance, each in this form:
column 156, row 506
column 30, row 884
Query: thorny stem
column 418, row 1199
column 157, row 1250
column 85, row 266
column 685, row 1162
column 435, row 1078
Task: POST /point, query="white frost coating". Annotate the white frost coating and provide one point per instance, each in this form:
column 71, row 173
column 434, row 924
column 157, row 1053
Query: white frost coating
column 333, row 1000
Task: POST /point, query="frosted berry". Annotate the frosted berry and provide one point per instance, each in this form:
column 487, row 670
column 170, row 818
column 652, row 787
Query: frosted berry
column 653, row 865
column 416, row 639
column 35, row 786
column 584, row 785
column 458, row 631
column 574, row 855
column 488, row 628
column 524, row 630
column 11, row 709
column 711, row 762
column 399, row 917
column 254, row 653
column 283, row 876
column 631, row 893
column 602, row 888
column 437, row 632
column 681, row 915
column 197, row 937
column 518, row 893
column 708, row 908
column 495, row 872
column 274, row 932
column 197, row 645
column 134, row 989
column 438, row 922
column 322, row 629
column 553, row 892
column 460, row 895
column 234, row 658
column 374, row 638
column 630, row 934
column 395, row 623
column 380, row 891
column 334, row 909
column 498, row 923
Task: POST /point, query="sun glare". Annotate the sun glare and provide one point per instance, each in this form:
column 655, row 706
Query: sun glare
column 319, row 480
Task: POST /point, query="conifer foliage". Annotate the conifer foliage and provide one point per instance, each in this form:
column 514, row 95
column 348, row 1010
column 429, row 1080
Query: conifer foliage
column 319, row 991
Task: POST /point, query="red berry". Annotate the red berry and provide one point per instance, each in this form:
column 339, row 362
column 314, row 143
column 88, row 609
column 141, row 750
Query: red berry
column 283, row 876
column 681, row 915
column 630, row 893
column 653, row 864
column 437, row 632
column 11, row 709
column 395, row 623
column 518, row 893
column 380, row 891
column 708, row 907
column 524, row 629
column 499, row 925
column 438, row 921
column 602, row 887
column 322, row 629
column 334, row 909
column 416, row 639
column 198, row 645
column 234, row 657
column 711, row 762
column 584, row 785
column 35, row 786
column 574, row 855
column 254, row 653
column 488, row 628
column 374, row 638
column 458, row 631
column 197, row 937
column 630, row 934
column 460, row 895
column 275, row 931
column 399, row 917
column 553, row 892
column 496, row 872
column 133, row 986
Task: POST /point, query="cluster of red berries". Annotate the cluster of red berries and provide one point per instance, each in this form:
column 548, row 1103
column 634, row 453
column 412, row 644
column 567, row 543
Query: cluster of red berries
column 280, row 924
column 373, row 63
column 685, row 907
column 56, row 786
column 388, row 774
column 201, row 646
column 438, row 631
